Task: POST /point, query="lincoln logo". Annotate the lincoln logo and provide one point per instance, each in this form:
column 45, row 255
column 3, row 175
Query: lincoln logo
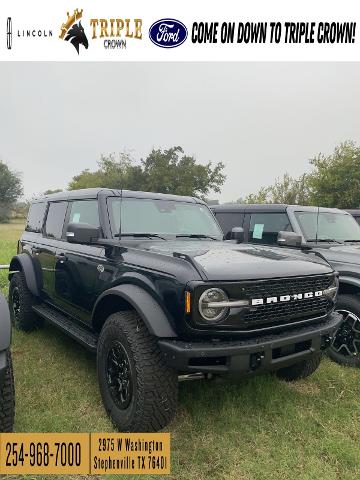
column 9, row 33
column 286, row 298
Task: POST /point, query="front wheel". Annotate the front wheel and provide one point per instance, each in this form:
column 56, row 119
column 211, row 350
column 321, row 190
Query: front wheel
column 138, row 389
column 345, row 348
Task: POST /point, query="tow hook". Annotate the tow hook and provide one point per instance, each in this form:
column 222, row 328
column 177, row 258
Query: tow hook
column 325, row 342
column 256, row 359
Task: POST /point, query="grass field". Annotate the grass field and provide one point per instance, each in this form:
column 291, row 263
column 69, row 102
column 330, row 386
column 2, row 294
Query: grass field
column 255, row 428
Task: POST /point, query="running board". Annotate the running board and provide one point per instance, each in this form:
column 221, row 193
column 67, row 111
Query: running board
column 74, row 330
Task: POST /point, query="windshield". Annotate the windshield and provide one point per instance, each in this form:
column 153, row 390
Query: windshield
column 162, row 217
column 331, row 226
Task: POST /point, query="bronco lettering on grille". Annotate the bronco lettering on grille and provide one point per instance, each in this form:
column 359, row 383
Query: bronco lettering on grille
column 286, row 298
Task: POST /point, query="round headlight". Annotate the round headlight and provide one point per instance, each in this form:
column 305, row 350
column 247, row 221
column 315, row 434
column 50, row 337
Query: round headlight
column 332, row 291
column 210, row 313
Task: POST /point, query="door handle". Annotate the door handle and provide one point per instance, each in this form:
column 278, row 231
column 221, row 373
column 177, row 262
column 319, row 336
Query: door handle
column 61, row 257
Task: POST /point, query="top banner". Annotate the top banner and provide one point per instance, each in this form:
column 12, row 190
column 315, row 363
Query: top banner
column 261, row 30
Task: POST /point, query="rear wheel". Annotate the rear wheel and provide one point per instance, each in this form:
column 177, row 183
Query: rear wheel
column 300, row 370
column 345, row 348
column 138, row 389
column 21, row 302
column 7, row 398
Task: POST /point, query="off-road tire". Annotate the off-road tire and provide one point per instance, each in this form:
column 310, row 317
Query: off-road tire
column 25, row 319
column 7, row 398
column 154, row 384
column 300, row 370
column 350, row 303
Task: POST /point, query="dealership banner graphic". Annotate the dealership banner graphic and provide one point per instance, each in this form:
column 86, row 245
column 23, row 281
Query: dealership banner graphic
column 179, row 31
column 84, row 453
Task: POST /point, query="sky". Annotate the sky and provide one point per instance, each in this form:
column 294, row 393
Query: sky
column 260, row 119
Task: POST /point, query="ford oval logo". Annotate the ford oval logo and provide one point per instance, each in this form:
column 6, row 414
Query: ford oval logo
column 168, row 33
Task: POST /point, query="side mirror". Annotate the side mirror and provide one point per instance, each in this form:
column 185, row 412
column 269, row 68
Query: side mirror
column 82, row 233
column 237, row 233
column 289, row 239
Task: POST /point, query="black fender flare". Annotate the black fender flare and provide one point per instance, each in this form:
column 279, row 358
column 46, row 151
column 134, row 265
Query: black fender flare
column 355, row 282
column 29, row 270
column 147, row 307
column 5, row 325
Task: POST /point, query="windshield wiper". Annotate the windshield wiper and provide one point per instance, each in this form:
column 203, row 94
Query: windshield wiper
column 195, row 235
column 328, row 240
column 140, row 235
column 352, row 241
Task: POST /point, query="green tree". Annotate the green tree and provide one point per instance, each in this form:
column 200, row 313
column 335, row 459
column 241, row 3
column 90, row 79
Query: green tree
column 10, row 190
column 261, row 196
column 288, row 190
column 171, row 171
column 20, row 210
column 50, row 192
column 163, row 171
column 113, row 172
column 335, row 180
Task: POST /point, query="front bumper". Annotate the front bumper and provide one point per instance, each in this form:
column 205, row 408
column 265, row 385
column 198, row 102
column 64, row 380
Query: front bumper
column 263, row 353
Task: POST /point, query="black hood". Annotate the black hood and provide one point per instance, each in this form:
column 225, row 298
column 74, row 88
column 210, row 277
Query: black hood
column 343, row 258
column 230, row 261
column 341, row 253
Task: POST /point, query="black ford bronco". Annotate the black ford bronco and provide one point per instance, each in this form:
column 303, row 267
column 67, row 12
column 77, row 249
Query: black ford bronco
column 7, row 391
column 147, row 281
column 331, row 233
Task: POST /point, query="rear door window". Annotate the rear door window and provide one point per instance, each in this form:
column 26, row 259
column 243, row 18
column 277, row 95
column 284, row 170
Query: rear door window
column 264, row 227
column 35, row 217
column 55, row 220
column 85, row 211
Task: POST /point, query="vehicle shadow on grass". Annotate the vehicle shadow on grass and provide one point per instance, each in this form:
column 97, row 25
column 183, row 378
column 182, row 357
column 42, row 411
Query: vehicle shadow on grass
column 56, row 378
column 57, row 390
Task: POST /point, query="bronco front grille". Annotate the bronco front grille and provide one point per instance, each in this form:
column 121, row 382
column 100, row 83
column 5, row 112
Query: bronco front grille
column 258, row 316
column 286, row 312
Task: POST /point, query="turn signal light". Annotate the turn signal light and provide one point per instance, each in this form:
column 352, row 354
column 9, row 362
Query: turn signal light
column 187, row 302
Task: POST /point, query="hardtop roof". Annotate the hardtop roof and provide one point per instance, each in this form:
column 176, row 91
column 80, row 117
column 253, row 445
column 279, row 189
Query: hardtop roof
column 353, row 211
column 272, row 207
column 93, row 193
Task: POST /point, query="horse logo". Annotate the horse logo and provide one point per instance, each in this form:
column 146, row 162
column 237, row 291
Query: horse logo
column 77, row 36
column 73, row 31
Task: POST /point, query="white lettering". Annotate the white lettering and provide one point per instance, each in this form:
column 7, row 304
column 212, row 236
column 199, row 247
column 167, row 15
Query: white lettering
column 166, row 36
column 271, row 300
column 285, row 298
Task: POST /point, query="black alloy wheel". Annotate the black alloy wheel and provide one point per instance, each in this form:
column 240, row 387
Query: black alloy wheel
column 347, row 338
column 119, row 376
column 345, row 347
